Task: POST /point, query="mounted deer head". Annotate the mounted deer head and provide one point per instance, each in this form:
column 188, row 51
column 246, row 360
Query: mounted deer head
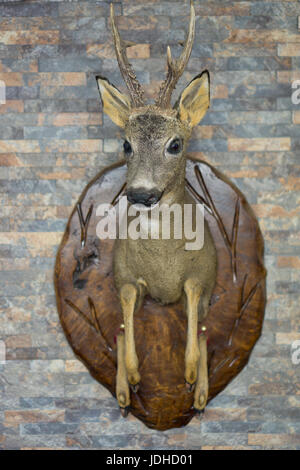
column 156, row 135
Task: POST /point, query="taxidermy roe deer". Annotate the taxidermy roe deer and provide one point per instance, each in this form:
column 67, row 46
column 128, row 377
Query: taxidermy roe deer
column 156, row 137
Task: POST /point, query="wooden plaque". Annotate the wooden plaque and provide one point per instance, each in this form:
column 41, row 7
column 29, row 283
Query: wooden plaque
column 90, row 313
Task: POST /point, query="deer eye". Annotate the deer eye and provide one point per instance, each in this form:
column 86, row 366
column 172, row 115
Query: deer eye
column 175, row 146
column 127, row 148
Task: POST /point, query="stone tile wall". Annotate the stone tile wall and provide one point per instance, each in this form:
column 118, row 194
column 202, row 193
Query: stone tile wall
column 54, row 139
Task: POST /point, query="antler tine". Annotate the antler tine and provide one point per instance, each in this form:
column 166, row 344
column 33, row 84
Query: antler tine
column 135, row 89
column 176, row 66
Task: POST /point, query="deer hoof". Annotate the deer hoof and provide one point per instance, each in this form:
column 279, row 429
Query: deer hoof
column 134, row 378
column 199, row 413
column 124, row 411
column 190, row 387
column 191, row 372
column 135, row 388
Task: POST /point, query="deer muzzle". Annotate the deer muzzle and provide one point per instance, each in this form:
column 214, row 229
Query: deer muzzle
column 144, row 196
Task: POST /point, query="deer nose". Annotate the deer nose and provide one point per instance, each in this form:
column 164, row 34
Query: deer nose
column 142, row 196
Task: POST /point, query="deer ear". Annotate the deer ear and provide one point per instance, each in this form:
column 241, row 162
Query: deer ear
column 115, row 104
column 194, row 100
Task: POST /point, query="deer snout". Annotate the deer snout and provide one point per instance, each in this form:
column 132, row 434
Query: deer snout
column 144, row 196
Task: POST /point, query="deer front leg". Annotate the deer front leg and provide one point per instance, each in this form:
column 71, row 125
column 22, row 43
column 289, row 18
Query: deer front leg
column 193, row 291
column 122, row 387
column 128, row 297
column 201, row 389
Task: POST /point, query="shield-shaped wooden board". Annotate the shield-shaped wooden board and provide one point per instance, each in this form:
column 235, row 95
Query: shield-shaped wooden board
column 90, row 313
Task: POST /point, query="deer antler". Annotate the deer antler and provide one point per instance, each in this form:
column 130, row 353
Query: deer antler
column 176, row 66
column 135, row 89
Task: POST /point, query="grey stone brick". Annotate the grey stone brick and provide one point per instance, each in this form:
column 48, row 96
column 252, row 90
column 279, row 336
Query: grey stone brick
column 68, row 132
column 35, row 9
column 265, row 21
